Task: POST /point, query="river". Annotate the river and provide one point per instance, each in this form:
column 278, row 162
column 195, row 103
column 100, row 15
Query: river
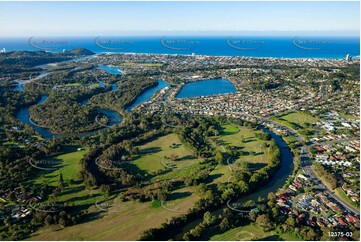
column 277, row 181
column 24, row 117
column 114, row 117
column 146, row 95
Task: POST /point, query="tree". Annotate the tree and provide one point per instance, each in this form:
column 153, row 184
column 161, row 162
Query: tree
column 252, row 216
column 208, row 219
column 201, row 189
column 224, row 225
column 263, row 221
column 271, row 196
column 311, row 234
column 243, row 186
column 62, row 222
column 219, row 157
column 197, row 231
column 291, row 222
column 275, row 213
column 61, row 182
column 48, row 220
column 105, row 189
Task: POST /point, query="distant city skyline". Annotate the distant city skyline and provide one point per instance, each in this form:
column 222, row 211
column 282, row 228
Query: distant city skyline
column 152, row 18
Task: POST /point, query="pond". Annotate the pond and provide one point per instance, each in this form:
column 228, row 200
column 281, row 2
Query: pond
column 206, row 88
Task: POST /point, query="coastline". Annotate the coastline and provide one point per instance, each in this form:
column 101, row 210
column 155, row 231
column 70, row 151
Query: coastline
column 227, row 56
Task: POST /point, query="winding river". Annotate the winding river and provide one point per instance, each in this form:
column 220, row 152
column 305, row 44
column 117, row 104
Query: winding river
column 277, row 182
column 114, row 117
column 24, row 116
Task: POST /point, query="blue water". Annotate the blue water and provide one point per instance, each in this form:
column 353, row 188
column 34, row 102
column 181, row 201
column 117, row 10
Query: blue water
column 23, row 116
column 205, row 88
column 251, row 46
column 145, row 96
column 111, row 69
column 282, row 174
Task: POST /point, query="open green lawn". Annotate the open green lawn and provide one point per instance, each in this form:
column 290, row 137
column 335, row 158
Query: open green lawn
column 253, row 153
column 300, row 118
column 298, row 121
column 68, row 166
column 344, row 197
column 251, row 144
column 75, row 194
column 123, row 220
column 229, row 129
column 156, row 155
column 250, row 232
column 353, row 117
column 290, row 139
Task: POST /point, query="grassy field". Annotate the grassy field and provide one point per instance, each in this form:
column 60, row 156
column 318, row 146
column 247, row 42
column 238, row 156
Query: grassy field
column 123, row 220
column 340, row 193
column 251, row 232
column 253, row 153
column 297, row 121
column 112, row 219
column 74, row 194
column 290, row 139
column 300, row 118
column 156, row 155
column 68, row 167
column 347, row 116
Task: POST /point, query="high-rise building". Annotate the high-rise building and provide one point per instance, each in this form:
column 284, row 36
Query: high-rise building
column 348, row 57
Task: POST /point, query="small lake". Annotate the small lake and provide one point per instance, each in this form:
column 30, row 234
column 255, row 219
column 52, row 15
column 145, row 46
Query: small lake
column 111, row 69
column 146, row 95
column 205, row 88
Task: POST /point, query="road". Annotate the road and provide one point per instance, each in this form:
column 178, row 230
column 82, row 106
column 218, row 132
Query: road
column 306, row 166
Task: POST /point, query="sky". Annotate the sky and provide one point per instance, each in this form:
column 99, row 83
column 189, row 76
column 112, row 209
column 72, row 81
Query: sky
column 117, row 18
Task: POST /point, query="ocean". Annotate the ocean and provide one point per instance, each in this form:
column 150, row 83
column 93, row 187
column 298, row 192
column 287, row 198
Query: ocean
column 248, row 46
